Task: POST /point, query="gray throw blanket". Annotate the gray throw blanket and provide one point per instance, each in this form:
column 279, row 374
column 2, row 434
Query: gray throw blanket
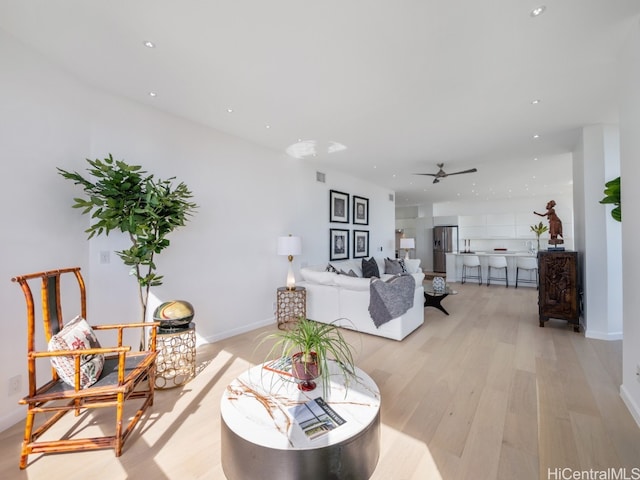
column 390, row 299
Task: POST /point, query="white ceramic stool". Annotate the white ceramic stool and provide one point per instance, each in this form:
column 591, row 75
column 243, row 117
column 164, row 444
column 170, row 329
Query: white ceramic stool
column 528, row 264
column 498, row 262
column 471, row 262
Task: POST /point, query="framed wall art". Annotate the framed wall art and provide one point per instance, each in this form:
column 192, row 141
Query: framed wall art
column 338, row 207
column 360, row 243
column 360, row 210
column 338, row 244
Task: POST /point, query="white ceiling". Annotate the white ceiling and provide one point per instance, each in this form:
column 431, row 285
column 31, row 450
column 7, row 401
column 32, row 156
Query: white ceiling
column 402, row 84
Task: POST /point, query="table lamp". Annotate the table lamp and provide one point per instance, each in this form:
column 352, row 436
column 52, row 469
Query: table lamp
column 407, row 244
column 290, row 246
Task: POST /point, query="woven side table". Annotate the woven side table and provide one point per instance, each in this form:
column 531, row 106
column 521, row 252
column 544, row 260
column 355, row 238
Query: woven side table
column 290, row 305
column 176, row 362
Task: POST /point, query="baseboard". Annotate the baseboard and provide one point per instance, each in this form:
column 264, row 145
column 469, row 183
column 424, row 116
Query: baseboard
column 632, row 406
column 603, row 335
column 239, row 330
column 13, row 417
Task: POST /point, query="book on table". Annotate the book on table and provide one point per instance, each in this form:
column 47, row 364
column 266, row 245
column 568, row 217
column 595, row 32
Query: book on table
column 281, row 366
column 316, row 418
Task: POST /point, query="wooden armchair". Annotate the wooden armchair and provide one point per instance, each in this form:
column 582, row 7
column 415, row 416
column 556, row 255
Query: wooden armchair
column 126, row 375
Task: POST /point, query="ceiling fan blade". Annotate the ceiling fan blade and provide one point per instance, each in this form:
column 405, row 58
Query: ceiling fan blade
column 471, row 170
column 429, row 174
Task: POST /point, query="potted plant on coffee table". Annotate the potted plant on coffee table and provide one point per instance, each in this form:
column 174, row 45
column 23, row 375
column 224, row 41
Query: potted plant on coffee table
column 311, row 346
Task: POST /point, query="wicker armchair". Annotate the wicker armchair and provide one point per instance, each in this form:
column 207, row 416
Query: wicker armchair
column 125, row 375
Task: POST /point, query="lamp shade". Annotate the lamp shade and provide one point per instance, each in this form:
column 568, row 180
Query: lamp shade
column 289, row 245
column 406, row 243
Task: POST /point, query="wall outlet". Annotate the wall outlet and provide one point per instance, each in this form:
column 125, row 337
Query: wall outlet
column 15, row 384
column 105, row 257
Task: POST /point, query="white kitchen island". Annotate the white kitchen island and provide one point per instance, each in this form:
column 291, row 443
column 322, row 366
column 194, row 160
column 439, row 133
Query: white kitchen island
column 454, row 266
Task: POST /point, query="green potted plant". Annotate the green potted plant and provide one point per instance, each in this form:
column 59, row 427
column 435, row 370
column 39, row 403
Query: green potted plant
column 539, row 230
column 612, row 195
column 311, row 345
column 124, row 197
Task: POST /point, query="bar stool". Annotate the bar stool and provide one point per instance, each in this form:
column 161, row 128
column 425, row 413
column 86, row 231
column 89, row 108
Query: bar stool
column 471, row 261
column 499, row 262
column 529, row 264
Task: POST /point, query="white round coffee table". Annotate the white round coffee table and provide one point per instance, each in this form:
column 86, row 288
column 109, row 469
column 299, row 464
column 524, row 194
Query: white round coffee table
column 261, row 438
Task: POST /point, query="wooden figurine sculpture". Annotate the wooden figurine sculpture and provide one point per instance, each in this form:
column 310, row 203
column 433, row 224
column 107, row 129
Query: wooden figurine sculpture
column 555, row 224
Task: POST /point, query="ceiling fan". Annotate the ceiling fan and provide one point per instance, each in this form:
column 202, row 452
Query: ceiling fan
column 442, row 174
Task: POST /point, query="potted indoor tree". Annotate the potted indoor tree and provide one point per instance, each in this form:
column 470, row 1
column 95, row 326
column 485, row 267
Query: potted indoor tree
column 311, row 346
column 612, row 196
column 126, row 198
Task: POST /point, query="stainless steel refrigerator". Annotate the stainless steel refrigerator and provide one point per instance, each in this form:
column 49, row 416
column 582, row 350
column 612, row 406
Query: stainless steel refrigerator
column 445, row 240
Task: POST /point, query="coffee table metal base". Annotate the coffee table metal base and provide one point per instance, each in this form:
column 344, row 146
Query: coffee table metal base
column 356, row 457
column 435, row 301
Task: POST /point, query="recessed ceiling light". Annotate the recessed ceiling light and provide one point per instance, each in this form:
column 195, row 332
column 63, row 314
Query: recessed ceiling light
column 535, row 102
column 229, row 110
column 538, row 11
column 536, row 136
column 267, row 126
column 149, row 44
column 153, row 94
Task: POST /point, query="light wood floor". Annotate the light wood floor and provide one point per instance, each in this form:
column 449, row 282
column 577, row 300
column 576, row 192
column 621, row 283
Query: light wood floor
column 483, row 393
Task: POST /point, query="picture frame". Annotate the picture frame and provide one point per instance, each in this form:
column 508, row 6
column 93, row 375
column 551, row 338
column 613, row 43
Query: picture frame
column 338, row 207
column 360, row 210
column 360, row 243
column 338, row 244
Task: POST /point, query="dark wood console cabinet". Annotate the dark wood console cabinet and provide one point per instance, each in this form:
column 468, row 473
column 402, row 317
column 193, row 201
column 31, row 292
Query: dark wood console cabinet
column 559, row 292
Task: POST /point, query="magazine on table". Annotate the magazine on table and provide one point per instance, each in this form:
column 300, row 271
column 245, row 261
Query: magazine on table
column 316, row 418
column 280, row 366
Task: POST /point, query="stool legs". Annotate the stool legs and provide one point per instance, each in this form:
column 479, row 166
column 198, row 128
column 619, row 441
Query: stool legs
column 506, row 276
column 465, row 275
column 535, row 272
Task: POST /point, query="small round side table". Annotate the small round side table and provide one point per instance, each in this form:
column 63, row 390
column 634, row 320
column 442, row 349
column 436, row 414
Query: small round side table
column 290, row 305
column 176, row 362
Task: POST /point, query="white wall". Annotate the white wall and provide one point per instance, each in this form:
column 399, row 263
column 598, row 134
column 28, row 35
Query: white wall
column 597, row 160
column 630, row 172
column 224, row 261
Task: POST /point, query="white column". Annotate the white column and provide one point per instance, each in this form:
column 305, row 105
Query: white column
column 598, row 235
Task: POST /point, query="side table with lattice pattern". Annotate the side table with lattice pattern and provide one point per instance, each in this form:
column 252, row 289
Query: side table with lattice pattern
column 176, row 361
column 290, row 305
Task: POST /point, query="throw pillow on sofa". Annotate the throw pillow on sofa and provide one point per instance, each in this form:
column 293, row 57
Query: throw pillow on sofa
column 350, row 273
column 370, row 268
column 394, row 267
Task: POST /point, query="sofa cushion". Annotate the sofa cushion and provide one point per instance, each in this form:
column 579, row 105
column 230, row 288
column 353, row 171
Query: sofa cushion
column 394, row 267
column 370, row 268
column 353, row 283
column 76, row 335
column 331, row 268
column 350, row 273
column 322, row 278
column 412, row 265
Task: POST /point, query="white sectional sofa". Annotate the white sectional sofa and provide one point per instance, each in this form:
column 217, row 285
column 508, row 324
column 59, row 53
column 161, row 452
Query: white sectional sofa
column 345, row 299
